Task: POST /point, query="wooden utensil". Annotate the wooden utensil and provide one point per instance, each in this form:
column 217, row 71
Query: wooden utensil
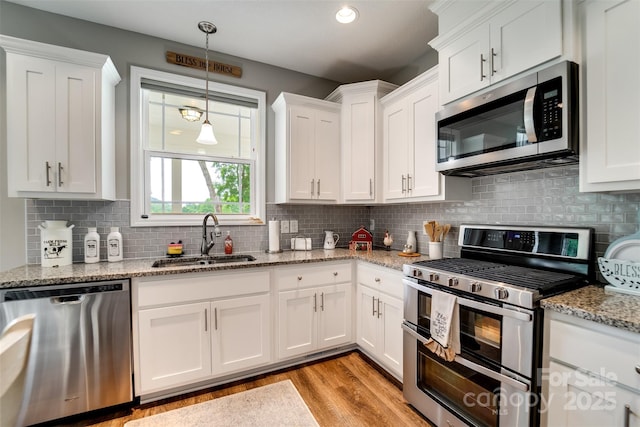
column 447, row 227
column 438, row 233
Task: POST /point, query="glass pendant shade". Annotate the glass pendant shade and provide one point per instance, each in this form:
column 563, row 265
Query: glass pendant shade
column 206, row 136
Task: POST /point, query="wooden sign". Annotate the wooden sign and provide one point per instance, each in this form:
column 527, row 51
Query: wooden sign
column 199, row 63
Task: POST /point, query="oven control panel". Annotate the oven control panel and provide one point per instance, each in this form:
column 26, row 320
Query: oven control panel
column 573, row 243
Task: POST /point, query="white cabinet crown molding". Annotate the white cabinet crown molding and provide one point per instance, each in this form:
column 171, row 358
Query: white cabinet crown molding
column 482, row 16
column 424, row 79
column 306, row 101
column 374, row 86
column 63, row 54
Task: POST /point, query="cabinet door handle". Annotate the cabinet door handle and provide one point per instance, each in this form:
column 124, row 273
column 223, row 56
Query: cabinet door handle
column 638, row 369
column 206, row 321
column 48, row 172
column 315, row 303
column 379, row 312
column 60, row 169
column 322, row 301
column 313, row 186
column 493, row 55
column 627, row 415
column 215, row 319
column 370, row 187
column 403, row 183
column 373, row 306
column 482, row 61
column 408, row 182
column 318, row 193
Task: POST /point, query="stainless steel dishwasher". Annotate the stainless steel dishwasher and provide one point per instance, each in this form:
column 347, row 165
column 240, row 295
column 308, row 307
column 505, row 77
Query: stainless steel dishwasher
column 81, row 348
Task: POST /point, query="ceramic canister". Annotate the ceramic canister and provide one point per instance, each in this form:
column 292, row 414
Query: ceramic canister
column 56, row 243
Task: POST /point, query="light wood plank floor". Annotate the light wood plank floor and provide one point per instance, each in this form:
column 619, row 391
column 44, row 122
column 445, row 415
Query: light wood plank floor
column 342, row 391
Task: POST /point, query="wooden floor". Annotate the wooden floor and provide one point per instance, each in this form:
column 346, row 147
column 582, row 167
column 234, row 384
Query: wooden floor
column 342, row 391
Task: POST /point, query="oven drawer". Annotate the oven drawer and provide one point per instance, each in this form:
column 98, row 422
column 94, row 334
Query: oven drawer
column 603, row 350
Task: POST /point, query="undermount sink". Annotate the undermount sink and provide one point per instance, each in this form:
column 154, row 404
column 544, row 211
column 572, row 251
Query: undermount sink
column 202, row 260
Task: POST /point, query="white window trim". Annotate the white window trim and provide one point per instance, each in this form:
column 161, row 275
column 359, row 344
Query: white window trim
column 137, row 176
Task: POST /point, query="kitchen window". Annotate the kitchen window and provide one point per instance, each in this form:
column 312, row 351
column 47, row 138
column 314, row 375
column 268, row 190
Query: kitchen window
column 175, row 180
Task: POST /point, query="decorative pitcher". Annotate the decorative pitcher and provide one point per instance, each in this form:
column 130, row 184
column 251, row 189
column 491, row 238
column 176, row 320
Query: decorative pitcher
column 330, row 239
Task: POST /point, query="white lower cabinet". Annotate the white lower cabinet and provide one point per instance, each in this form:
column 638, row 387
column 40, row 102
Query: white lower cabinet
column 198, row 326
column 379, row 315
column 241, row 332
column 593, row 374
column 314, row 308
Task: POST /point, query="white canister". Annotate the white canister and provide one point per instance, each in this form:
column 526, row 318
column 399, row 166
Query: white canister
column 114, row 245
column 92, row 246
column 56, row 243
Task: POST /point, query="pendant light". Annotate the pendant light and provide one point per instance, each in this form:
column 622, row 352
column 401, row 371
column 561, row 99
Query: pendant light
column 206, row 136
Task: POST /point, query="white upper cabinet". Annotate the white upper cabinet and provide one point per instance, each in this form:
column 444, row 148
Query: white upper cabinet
column 307, row 149
column 361, row 139
column 496, row 42
column 409, row 145
column 60, row 127
column 610, row 144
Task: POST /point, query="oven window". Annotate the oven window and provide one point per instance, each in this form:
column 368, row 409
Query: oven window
column 480, row 332
column 463, row 390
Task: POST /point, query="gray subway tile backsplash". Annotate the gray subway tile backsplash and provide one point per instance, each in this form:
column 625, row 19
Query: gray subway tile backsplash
column 541, row 197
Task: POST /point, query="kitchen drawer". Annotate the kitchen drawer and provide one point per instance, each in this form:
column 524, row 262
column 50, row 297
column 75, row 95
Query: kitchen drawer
column 381, row 278
column 161, row 290
column 603, row 350
column 305, row 275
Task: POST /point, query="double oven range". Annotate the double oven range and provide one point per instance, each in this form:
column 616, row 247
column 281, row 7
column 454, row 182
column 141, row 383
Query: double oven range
column 498, row 281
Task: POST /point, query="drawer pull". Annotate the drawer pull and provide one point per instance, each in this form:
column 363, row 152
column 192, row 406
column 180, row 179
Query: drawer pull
column 377, row 279
column 638, row 369
column 299, row 278
column 335, row 273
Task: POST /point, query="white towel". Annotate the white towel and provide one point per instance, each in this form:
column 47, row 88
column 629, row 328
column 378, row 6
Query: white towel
column 445, row 325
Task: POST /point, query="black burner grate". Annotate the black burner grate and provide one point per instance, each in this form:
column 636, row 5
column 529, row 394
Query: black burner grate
column 525, row 277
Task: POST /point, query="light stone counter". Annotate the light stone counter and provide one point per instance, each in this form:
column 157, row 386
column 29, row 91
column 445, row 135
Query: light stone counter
column 34, row 275
column 593, row 303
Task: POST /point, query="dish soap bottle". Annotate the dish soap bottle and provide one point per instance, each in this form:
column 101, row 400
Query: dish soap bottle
column 228, row 244
column 92, row 246
column 114, row 245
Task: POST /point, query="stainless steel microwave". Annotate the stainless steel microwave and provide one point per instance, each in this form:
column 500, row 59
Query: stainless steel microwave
column 529, row 123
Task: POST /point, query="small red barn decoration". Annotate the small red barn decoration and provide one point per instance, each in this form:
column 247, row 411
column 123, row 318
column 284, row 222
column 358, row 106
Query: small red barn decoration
column 361, row 240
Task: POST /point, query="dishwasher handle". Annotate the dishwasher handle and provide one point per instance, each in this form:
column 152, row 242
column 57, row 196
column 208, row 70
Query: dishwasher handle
column 63, row 293
column 71, row 299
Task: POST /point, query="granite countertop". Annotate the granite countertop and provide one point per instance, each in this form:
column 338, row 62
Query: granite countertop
column 35, row 275
column 593, row 303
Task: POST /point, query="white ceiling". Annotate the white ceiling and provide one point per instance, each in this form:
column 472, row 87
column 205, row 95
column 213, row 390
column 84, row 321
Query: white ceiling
column 300, row 35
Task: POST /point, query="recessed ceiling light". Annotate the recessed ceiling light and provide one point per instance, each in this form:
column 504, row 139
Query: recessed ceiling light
column 347, row 14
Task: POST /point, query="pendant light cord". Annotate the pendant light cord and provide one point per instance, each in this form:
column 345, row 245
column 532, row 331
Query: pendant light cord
column 207, row 28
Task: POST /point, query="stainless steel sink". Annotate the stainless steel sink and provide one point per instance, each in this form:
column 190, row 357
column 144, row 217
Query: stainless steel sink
column 202, row 260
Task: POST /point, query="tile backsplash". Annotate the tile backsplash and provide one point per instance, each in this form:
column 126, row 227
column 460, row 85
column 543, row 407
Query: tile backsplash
column 540, row 197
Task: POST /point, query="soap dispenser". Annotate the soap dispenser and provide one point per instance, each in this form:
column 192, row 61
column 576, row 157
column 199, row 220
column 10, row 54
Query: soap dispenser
column 228, row 244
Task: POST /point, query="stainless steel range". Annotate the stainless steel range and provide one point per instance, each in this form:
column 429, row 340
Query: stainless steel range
column 498, row 281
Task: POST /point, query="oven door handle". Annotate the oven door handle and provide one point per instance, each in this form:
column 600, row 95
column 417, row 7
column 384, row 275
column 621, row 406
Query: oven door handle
column 472, row 365
column 501, row 311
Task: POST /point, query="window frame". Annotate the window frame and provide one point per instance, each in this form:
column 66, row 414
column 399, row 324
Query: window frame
column 138, row 153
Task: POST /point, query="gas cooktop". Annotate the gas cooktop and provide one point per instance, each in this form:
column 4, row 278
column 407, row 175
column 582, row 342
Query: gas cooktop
column 516, row 265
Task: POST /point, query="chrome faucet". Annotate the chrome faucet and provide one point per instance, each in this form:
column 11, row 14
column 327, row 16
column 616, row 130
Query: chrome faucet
column 206, row 246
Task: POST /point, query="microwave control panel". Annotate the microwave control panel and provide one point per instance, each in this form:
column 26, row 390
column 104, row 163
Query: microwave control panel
column 551, row 108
